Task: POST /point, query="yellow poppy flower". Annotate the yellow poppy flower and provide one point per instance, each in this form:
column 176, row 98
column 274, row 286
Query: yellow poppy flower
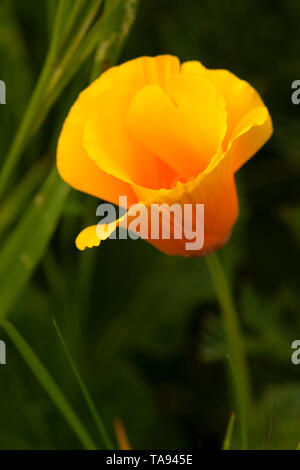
column 161, row 132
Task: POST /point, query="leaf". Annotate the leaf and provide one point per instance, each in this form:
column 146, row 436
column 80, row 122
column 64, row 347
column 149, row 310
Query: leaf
column 25, row 246
column 120, row 24
column 101, row 35
column 17, row 198
column 15, row 72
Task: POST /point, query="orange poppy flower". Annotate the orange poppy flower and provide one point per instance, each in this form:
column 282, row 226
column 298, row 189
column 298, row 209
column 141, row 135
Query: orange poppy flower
column 161, row 132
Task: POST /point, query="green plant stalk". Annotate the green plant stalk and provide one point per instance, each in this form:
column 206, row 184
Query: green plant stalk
column 49, row 385
column 102, row 431
column 109, row 54
column 63, row 29
column 35, row 106
column 71, row 51
column 84, row 42
column 74, row 57
column 24, row 247
column 63, row 12
column 229, row 431
column 51, row 10
column 16, row 199
column 25, row 128
column 234, row 341
column 240, row 404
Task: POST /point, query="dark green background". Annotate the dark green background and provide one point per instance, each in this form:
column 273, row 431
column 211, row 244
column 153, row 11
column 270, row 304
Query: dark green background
column 144, row 328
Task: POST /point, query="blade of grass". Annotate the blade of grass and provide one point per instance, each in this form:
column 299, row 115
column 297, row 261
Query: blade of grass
column 75, row 43
column 105, row 32
column 98, row 34
column 102, row 431
column 80, row 49
column 240, row 402
column 229, row 431
column 24, row 131
column 33, row 109
column 109, row 49
column 73, row 17
column 49, row 385
column 51, row 13
column 31, row 119
column 16, row 200
column 25, row 246
column 64, row 10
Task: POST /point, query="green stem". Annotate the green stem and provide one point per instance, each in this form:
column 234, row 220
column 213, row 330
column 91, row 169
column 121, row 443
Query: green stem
column 67, row 15
column 77, row 40
column 239, row 403
column 229, row 431
column 234, row 341
column 25, row 128
column 51, row 72
column 34, row 108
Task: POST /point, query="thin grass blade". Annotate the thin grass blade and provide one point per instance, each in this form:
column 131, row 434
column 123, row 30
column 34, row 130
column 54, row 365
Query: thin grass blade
column 240, row 400
column 13, row 204
column 102, row 431
column 229, row 431
column 64, row 9
column 120, row 24
column 49, row 385
column 25, row 246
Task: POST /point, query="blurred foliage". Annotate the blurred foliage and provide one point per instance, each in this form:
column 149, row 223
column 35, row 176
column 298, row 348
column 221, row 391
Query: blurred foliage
column 144, row 328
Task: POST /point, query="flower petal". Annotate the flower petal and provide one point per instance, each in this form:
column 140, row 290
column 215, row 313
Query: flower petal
column 87, row 238
column 143, row 71
column 184, row 127
column 93, row 235
column 108, row 143
column 217, row 191
column 74, row 164
column 250, row 134
column 245, row 111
